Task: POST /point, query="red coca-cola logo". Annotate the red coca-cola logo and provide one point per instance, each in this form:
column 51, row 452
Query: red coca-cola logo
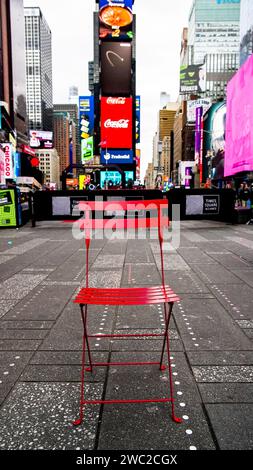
column 121, row 124
column 119, row 100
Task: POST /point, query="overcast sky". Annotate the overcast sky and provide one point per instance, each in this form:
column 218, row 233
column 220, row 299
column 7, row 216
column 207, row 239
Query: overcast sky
column 159, row 29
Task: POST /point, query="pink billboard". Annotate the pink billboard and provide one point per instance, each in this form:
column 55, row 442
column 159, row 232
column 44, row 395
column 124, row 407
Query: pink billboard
column 239, row 121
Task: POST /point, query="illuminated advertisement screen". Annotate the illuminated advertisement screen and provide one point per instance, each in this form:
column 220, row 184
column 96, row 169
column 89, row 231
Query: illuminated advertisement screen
column 86, row 119
column 192, row 79
column 7, row 208
column 138, row 119
column 115, row 19
column 116, row 66
column 116, row 156
column 239, row 121
column 41, row 139
column 116, row 123
column 114, row 178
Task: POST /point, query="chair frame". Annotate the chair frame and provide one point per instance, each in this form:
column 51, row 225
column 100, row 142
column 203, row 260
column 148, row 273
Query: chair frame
column 109, row 296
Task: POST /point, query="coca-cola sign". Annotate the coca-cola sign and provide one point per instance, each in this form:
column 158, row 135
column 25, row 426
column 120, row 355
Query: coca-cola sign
column 119, row 100
column 122, row 123
column 116, row 123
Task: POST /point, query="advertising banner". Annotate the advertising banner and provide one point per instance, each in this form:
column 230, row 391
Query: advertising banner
column 8, row 161
column 2, row 159
column 138, row 119
column 7, row 208
column 86, row 119
column 41, row 139
column 115, row 19
column 193, row 104
column 199, row 113
column 202, row 204
column 116, row 156
column 116, row 123
column 239, row 121
column 138, row 163
column 116, row 68
column 192, row 79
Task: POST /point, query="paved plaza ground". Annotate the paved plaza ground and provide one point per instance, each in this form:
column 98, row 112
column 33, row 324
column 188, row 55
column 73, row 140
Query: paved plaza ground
column 211, row 340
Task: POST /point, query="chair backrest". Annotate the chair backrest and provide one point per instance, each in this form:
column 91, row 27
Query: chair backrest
column 152, row 216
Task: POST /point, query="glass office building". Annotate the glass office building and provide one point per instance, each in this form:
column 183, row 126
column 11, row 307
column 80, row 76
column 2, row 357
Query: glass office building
column 246, row 30
column 214, row 28
column 38, row 44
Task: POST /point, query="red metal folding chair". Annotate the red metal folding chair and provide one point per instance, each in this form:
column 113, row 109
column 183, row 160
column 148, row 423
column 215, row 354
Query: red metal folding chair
column 126, row 296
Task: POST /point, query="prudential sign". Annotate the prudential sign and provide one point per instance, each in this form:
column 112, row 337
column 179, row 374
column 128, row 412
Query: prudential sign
column 117, row 156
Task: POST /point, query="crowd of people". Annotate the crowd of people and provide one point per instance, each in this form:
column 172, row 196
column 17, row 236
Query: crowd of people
column 245, row 195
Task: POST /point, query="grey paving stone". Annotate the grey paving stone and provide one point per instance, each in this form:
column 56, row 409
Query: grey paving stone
column 195, row 255
column 147, row 381
column 64, row 357
column 212, row 274
column 220, row 357
column 249, row 333
column 68, row 332
column 226, row 392
column 245, row 275
column 172, row 262
column 61, row 373
column 33, row 325
column 236, row 298
column 22, row 334
column 26, row 246
column 237, row 420
column 5, row 258
column 109, row 261
column 223, row 373
column 19, row 345
column 6, row 305
column 46, row 303
column 159, row 431
column 143, row 345
column 39, row 416
column 229, row 260
column 19, row 285
column 141, row 316
column 105, row 278
column 209, row 326
column 140, row 275
column 185, row 282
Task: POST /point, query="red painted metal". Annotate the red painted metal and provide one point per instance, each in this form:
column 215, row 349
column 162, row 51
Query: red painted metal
column 125, row 296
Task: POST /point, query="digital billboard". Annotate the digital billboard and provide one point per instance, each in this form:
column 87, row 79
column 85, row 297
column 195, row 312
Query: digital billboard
column 239, row 121
column 86, row 119
column 138, row 119
column 192, row 79
column 41, row 139
column 116, row 122
column 2, row 159
column 116, row 68
column 115, row 20
column 193, row 104
column 116, row 156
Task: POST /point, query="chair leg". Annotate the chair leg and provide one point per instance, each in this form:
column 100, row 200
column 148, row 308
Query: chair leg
column 79, row 421
column 167, row 340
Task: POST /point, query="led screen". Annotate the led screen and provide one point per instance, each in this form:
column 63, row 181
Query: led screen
column 116, row 123
column 239, row 121
column 116, row 68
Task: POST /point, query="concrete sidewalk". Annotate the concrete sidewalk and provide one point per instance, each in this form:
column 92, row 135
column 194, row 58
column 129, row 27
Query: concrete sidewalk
column 211, row 341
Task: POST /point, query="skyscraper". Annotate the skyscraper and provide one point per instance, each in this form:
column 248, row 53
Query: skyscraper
column 38, row 44
column 246, row 30
column 214, row 28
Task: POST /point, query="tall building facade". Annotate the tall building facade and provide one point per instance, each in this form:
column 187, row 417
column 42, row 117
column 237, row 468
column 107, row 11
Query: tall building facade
column 214, row 28
column 246, row 30
column 49, row 165
column 62, row 139
column 72, row 110
column 38, row 45
column 12, row 71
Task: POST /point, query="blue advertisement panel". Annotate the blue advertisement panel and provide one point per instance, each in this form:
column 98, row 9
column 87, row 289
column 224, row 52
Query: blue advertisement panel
column 17, row 165
column 116, row 156
column 138, row 118
column 86, row 119
column 120, row 3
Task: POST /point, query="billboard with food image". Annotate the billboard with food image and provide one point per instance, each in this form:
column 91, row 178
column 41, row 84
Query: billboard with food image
column 115, row 19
